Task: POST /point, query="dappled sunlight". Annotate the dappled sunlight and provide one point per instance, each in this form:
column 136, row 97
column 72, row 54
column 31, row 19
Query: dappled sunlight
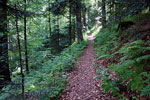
column 92, row 36
column 96, row 31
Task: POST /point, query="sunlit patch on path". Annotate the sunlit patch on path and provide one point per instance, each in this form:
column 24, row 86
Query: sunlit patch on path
column 93, row 35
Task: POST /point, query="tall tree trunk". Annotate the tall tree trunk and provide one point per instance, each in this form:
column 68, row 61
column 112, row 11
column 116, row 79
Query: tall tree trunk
column 84, row 16
column 79, row 22
column 49, row 19
column 148, row 3
column 104, row 13
column 120, row 12
column 88, row 17
column 70, row 25
column 57, row 38
column 113, row 9
column 25, row 39
column 4, row 64
column 74, row 29
column 58, row 30
column 20, row 55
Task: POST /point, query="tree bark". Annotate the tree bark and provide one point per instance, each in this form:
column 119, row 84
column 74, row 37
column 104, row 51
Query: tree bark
column 70, row 24
column 4, row 63
column 104, row 13
column 25, row 39
column 79, row 22
column 49, row 19
column 88, row 17
column 84, row 16
column 74, row 29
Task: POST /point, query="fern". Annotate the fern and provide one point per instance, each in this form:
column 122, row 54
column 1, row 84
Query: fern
column 142, row 58
column 133, row 63
column 145, row 91
column 103, row 56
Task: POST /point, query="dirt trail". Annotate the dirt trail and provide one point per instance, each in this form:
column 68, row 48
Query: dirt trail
column 83, row 82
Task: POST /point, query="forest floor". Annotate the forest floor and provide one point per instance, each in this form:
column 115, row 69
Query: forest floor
column 83, row 84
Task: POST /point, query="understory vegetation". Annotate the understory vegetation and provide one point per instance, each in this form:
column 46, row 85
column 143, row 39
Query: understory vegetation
column 40, row 41
column 48, row 77
column 124, row 59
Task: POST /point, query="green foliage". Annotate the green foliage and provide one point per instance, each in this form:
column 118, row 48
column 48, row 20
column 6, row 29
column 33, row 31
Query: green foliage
column 50, row 76
column 135, row 57
column 131, row 71
column 103, row 44
column 146, row 91
column 108, row 84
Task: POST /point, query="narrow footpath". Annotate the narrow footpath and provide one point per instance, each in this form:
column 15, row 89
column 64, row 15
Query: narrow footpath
column 82, row 81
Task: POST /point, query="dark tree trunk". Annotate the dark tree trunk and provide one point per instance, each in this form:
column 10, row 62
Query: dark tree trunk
column 25, row 39
column 148, row 3
column 104, row 13
column 119, row 13
column 84, row 16
column 113, row 9
column 74, row 29
column 88, row 17
column 79, row 22
column 20, row 55
column 4, row 63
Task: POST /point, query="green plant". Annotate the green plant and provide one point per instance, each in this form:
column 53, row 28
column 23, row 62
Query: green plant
column 49, row 74
column 131, row 71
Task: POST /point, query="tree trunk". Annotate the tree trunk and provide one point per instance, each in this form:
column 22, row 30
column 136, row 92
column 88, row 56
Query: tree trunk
column 4, row 63
column 148, row 2
column 113, row 9
column 79, row 23
column 20, row 55
column 104, row 13
column 74, row 29
column 70, row 24
column 25, row 39
column 88, row 18
column 84, row 16
column 49, row 19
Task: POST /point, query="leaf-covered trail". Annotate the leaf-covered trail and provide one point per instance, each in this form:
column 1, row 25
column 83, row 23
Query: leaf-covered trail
column 83, row 82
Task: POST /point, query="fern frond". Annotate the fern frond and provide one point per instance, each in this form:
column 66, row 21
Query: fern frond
column 145, row 91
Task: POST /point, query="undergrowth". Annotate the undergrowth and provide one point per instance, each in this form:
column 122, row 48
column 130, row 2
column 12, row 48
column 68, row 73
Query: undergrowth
column 48, row 77
column 129, row 63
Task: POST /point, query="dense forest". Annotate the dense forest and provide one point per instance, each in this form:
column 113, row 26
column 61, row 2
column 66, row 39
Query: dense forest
column 52, row 49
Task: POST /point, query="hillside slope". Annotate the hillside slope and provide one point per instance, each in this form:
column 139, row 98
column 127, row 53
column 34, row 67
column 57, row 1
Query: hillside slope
column 124, row 59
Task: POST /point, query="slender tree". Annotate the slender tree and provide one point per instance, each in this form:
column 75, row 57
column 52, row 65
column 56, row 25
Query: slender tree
column 74, row 30
column 70, row 23
column 20, row 55
column 84, row 10
column 25, row 38
column 49, row 19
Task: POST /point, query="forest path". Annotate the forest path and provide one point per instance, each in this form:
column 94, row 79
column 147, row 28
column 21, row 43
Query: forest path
column 83, row 82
